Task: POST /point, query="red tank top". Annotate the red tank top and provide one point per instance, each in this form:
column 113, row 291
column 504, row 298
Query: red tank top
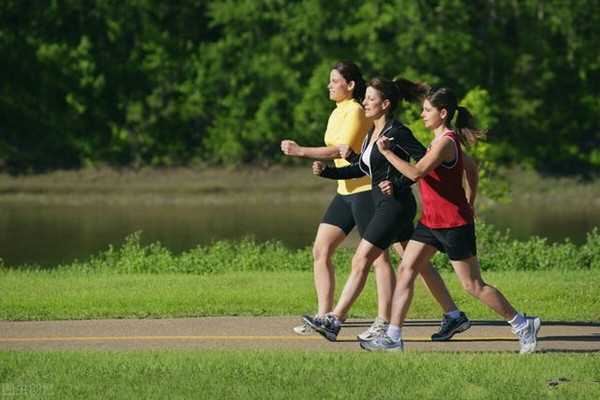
column 443, row 198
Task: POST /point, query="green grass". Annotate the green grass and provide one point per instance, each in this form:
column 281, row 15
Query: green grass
column 297, row 375
column 49, row 295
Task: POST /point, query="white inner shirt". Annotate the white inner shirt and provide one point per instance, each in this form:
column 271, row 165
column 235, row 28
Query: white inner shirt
column 366, row 156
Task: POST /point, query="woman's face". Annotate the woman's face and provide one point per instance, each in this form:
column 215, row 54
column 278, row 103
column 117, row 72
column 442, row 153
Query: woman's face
column 339, row 88
column 375, row 106
column 432, row 116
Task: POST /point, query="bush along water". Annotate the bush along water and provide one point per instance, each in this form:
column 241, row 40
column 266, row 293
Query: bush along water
column 496, row 250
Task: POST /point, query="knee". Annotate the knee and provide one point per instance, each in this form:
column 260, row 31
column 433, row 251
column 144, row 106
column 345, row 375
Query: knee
column 473, row 287
column 322, row 253
column 360, row 263
column 405, row 277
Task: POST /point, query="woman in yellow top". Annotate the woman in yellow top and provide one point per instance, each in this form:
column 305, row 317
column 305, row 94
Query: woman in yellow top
column 352, row 205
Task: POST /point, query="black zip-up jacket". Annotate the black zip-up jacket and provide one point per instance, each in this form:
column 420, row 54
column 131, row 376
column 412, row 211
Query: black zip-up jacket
column 404, row 145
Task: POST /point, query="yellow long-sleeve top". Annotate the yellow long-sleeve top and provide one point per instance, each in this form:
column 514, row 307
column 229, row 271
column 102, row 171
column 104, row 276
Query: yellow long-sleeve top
column 348, row 125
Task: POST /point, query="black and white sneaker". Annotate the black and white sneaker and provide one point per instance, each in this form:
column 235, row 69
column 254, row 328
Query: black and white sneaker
column 328, row 326
column 450, row 327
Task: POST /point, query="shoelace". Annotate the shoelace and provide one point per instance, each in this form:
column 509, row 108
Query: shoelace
column 377, row 327
column 445, row 323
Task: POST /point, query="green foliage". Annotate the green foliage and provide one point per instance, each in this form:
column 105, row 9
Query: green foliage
column 136, row 83
column 496, row 250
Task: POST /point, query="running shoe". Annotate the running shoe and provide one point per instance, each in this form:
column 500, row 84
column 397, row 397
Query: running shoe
column 528, row 335
column 451, row 326
column 304, row 329
column 329, row 326
column 383, row 343
column 377, row 328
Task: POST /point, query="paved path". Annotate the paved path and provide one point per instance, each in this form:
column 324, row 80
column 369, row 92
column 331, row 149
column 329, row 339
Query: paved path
column 273, row 333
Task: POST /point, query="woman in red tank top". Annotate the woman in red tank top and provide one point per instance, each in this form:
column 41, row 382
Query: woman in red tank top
column 446, row 222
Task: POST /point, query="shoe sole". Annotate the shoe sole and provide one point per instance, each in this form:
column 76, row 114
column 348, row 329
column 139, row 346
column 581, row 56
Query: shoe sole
column 366, row 340
column 537, row 325
column 327, row 335
column 461, row 328
column 392, row 349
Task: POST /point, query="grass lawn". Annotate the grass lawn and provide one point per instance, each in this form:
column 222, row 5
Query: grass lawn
column 51, row 295
column 296, row 375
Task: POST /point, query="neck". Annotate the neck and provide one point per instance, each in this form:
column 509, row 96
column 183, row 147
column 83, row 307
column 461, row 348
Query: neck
column 379, row 123
column 439, row 131
column 343, row 100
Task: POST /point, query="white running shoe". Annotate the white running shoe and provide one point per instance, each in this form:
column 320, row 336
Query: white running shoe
column 383, row 343
column 528, row 335
column 377, row 328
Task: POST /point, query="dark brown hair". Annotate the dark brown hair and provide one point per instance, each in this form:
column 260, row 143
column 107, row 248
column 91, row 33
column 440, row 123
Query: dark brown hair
column 465, row 124
column 399, row 89
column 351, row 73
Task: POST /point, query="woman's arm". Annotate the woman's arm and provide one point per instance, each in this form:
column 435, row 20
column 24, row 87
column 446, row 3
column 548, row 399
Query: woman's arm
column 349, row 172
column 471, row 180
column 291, row 148
column 440, row 151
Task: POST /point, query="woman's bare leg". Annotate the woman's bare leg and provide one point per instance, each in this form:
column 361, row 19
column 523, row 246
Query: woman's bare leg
column 365, row 255
column 386, row 280
column 416, row 257
column 469, row 274
column 434, row 282
column 327, row 240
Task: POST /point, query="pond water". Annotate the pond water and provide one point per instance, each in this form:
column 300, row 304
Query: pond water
column 49, row 234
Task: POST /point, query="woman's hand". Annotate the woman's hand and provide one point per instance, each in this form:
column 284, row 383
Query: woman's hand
column 318, row 167
column 291, row 148
column 384, row 144
column 345, row 150
column 386, row 188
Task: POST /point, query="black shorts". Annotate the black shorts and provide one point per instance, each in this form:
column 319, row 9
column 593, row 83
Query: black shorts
column 346, row 211
column 393, row 219
column 458, row 243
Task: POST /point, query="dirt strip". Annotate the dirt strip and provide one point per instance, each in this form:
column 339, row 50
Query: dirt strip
column 274, row 333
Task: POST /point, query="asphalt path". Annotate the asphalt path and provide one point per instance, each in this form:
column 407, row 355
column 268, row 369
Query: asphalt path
column 275, row 333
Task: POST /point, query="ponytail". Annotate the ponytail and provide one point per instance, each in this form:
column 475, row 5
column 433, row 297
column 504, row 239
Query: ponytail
column 399, row 89
column 465, row 124
column 411, row 91
column 466, row 128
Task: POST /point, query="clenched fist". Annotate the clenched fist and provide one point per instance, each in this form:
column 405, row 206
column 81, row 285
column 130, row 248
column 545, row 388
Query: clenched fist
column 318, row 167
column 291, row 148
column 386, row 188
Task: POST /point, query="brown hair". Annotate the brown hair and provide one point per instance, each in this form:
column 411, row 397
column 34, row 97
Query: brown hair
column 399, row 89
column 351, row 73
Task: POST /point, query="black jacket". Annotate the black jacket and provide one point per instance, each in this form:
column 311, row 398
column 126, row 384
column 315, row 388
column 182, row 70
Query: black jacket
column 404, row 145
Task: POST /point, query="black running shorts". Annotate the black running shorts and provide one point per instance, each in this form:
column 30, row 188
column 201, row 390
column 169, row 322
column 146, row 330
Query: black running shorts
column 458, row 243
column 393, row 219
column 346, row 211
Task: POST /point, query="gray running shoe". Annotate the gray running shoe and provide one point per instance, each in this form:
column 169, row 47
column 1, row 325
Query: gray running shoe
column 528, row 335
column 329, row 326
column 383, row 343
column 450, row 327
column 377, row 328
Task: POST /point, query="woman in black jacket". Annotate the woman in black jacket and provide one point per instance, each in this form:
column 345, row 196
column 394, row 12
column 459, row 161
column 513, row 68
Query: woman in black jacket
column 395, row 205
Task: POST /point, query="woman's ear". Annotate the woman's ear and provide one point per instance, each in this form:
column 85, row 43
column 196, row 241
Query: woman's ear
column 351, row 85
column 385, row 104
column 443, row 113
